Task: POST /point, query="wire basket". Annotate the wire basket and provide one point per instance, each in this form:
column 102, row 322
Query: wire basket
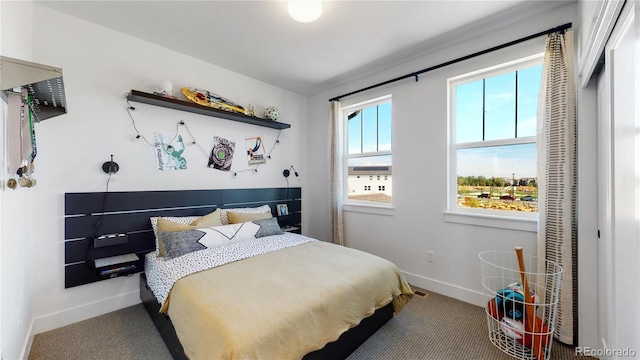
column 521, row 326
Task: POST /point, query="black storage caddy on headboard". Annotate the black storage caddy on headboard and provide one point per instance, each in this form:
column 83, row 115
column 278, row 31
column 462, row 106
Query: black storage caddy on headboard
column 127, row 214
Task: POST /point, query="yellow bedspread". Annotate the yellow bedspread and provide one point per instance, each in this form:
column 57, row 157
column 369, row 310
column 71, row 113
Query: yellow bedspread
column 282, row 304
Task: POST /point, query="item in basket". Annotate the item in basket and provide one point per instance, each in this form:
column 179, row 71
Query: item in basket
column 543, row 336
column 511, row 303
column 493, row 310
column 519, row 288
column 512, row 328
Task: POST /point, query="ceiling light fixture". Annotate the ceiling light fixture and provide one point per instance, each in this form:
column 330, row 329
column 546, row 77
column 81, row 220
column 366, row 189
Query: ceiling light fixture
column 305, row 10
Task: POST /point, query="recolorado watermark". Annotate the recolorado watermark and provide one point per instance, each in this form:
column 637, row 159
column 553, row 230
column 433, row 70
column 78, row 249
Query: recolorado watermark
column 599, row 353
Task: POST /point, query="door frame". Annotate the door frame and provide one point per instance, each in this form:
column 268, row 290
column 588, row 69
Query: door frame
column 618, row 195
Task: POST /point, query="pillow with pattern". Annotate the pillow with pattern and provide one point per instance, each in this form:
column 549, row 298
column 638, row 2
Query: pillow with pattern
column 255, row 210
column 183, row 220
column 178, row 243
column 228, row 234
column 182, row 223
column 268, row 227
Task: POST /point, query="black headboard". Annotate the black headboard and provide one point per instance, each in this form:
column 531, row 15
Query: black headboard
column 128, row 213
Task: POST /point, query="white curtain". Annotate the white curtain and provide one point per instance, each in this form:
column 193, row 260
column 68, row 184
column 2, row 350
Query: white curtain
column 557, row 175
column 336, row 172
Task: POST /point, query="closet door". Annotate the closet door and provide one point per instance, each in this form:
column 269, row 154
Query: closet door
column 619, row 188
column 605, row 242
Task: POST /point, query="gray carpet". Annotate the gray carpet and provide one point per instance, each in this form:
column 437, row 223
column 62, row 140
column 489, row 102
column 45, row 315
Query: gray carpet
column 126, row 334
column 436, row 327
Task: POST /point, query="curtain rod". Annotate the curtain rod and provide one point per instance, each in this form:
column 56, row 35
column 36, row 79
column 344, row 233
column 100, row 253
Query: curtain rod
column 450, row 62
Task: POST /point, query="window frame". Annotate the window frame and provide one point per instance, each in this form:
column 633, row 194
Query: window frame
column 363, row 205
column 485, row 217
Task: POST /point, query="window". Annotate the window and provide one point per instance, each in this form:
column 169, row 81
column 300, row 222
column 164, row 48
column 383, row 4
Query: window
column 493, row 117
column 368, row 136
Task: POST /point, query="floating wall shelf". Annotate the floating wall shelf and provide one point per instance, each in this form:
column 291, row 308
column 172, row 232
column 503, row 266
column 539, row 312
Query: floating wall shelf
column 152, row 99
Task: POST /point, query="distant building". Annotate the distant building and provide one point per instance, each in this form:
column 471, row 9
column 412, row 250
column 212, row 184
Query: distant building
column 526, row 181
column 519, row 182
column 369, row 180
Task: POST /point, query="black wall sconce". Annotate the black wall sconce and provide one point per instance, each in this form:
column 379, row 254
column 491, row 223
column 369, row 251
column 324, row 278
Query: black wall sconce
column 287, row 172
column 110, row 167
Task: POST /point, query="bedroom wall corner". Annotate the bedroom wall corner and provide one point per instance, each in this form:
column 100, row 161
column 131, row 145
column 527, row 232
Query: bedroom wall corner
column 419, row 137
column 100, row 66
column 85, row 311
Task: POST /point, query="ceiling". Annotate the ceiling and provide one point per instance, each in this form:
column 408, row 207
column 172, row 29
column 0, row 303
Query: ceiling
column 259, row 39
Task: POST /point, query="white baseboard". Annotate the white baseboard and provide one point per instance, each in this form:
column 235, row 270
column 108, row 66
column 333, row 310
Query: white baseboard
column 26, row 347
column 453, row 291
column 79, row 313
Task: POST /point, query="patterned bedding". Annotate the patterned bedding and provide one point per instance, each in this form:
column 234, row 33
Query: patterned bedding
column 162, row 274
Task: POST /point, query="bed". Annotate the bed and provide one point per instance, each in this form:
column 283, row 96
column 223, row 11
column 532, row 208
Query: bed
column 280, row 304
column 282, row 295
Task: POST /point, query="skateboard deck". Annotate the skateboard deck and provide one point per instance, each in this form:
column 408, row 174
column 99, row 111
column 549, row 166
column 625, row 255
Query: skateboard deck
column 209, row 99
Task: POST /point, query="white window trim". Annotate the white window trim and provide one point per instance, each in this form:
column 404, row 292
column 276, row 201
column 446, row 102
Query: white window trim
column 369, row 207
column 367, row 154
column 513, row 220
column 492, row 220
column 492, row 143
column 363, row 206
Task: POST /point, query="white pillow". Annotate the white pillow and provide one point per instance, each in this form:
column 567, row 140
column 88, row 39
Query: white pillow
column 255, row 210
column 228, row 234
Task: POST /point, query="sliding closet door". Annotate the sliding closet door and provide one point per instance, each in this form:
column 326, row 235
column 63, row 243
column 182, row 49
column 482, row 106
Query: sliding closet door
column 619, row 188
column 605, row 242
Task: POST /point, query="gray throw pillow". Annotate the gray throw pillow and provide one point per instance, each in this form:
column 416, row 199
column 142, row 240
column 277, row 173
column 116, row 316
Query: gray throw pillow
column 178, row 243
column 268, row 227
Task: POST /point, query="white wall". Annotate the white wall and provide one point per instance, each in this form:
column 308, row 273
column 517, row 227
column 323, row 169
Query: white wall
column 419, row 186
column 16, row 208
column 99, row 66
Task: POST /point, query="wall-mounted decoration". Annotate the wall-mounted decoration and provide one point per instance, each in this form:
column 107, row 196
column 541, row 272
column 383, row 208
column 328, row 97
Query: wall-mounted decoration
column 271, row 113
column 250, row 110
column 282, row 209
column 207, row 98
column 196, row 108
column 221, row 154
column 169, row 149
column 20, row 138
column 255, row 151
column 43, row 83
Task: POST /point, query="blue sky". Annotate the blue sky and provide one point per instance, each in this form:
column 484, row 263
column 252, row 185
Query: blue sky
column 499, row 123
column 375, row 127
column 498, row 161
